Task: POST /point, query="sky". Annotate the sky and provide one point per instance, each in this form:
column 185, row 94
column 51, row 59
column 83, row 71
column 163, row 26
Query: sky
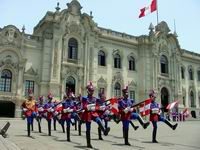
column 118, row 15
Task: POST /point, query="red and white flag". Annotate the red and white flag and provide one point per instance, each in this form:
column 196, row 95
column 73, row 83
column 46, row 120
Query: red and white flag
column 145, row 107
column 186, row 112
column 149, row 9
column 172, row 105
column 114, row 105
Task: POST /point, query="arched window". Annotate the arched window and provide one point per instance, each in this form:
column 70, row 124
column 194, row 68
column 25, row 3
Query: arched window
column 131, row 63
column 192, row 99
column 71, row 84
column 182, row 73
column 117, row 89
column 190, row 74
column 164, row 64
column 101, row 58
column 72, row 48
column 198, row 75
column 117, row 61
column 6, row 80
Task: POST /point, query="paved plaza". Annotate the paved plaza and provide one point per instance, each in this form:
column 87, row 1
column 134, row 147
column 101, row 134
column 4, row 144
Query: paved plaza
column 186, row 137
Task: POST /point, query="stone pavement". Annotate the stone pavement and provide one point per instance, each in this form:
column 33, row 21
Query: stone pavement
column 186, row 137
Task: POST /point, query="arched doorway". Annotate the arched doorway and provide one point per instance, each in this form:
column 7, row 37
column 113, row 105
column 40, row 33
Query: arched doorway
column 71, row 84
column 7, row 109
column 164, row 98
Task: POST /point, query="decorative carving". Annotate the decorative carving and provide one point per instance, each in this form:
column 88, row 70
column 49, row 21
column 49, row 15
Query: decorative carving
column 101, row 82
column 10, row 35
column 55, row 64
column 132, row 84
column 117, row 77
column 163, row 27
column 31, row 71
column 74, row 7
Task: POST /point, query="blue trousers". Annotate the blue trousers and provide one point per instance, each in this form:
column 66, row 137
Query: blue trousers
column 88, row 123
column 125, row 123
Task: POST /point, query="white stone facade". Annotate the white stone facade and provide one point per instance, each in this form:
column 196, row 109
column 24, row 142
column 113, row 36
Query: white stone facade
column 43, row 58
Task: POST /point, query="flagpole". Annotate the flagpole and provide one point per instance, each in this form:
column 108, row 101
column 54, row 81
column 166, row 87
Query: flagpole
column 157, row 11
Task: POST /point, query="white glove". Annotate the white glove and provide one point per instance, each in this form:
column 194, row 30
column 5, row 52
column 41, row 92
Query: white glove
column 55, row 113
column 25, row 109
column 102, row 108
column 50, row 110
column 155, row 111
column 107, row 112
column 40, row 109
column 128, row 109
column 68, row 110
column 91, row 107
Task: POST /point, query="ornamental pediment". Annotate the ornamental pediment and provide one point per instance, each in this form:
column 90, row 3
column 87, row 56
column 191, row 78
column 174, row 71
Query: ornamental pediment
column 31, row 71
column 10, row 35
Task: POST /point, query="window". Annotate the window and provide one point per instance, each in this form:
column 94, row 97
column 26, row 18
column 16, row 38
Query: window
column 101, row 90
column 132, row 95
column 6, row 80
column 190, row 74
column 29, row 85
column 101, row 58
column 131, row 63
column 164, row 64
column 192, row 99
column 117, row 61
column 184, row 100
column 182, row 73
column 198, row 75
column 117, row 90
column 72, row 48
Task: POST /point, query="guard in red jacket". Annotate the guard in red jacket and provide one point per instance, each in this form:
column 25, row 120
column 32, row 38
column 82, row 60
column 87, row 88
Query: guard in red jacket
column 155, row 116
column 89, row 103
column 49, row 109
column 29, row 109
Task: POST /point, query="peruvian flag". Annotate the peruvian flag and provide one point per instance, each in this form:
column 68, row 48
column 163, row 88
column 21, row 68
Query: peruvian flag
column 172, row 105
column 186, row 112
column 149, row 9
column 114, row 105
column 58, row 107
column 145, row 107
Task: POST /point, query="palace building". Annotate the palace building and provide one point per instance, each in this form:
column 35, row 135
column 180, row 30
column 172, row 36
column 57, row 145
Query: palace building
column 68, row 49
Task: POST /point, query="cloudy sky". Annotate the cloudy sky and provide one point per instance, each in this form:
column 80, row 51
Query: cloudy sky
column 119, row 15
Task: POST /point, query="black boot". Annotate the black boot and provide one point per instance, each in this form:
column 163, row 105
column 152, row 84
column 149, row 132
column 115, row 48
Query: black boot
column 68, row 134
column 32, row 127
column 105, row 130
column 154, row 136
column 63, row 128
column 39, row 125
column 141, row 121
column 134, row 127
column 88, row 139
column 116, row 119
column 54, row 124
column 79, row 128
column 126, row 137
column 99, row 132
column 49, row 127
column 29, row 129
column 173, row 127
column 75, row 124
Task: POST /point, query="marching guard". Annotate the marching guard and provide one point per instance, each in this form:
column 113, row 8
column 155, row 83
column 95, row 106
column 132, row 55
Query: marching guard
column 29, row 109
column 155, row 116
column 49, row 110
column 40, row 111
column 89, row 105
column 128, row 113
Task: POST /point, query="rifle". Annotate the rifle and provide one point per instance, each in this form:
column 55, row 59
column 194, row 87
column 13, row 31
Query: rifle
column 4, row 129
